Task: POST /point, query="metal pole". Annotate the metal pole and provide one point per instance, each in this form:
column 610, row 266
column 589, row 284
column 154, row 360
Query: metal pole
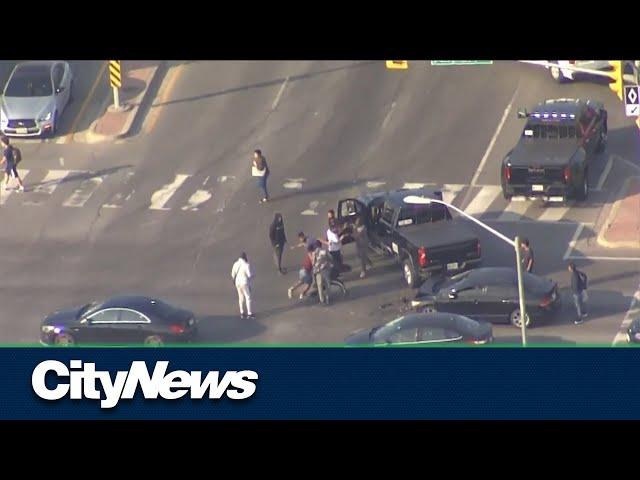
column 523, row 312
column 116, row 98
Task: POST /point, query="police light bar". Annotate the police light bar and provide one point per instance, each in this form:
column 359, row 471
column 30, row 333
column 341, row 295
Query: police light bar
column 546, row 115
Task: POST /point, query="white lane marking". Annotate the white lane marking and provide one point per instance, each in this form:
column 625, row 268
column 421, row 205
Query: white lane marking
column 411, row 186
column 493, row 139
column 595, row 257
column 197, row 199
column 312, row 208
column 514, row 211
column 375, row 184
column 451, row 191
column 483, row 200
column 61, row 161
column 294, row 183
column 205, row 182
column 225, row 178
column 51, row 181
column 5, row 194
column 605, row 173
column 60, row 140
column 573, row 241
column 553, row 214
column 160, row 197
column 634, row 309
column 277, row 100
column 119, row 198
column 388, row 115
column 84, row 191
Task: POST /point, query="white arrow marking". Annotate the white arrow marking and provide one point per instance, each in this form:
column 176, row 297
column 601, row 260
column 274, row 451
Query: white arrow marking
column 375, row 184
column 197, row 199
column 312, row 208
column 82, row 194
column 160, row 198
column 294, row 183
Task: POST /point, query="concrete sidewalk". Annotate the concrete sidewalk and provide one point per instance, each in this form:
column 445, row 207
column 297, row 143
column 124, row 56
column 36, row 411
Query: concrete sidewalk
column 138, row 75
column 622, row 228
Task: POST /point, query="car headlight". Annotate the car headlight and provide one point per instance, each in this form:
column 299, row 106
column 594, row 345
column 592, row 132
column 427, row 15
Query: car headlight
column 46, row 117
column 48, row 328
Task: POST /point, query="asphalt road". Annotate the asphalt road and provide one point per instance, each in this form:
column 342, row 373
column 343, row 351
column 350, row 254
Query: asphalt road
column 329, row 130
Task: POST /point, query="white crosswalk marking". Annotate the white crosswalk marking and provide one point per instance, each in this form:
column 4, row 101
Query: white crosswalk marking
column 483, row 200
column 411, row 186
column 514, row 211
column 553, row 214
column 5, row 194
column 160, row 197
column 197, row 199
column 84, row 191
column 117, row 200
column 450, row 192
column 51, row 181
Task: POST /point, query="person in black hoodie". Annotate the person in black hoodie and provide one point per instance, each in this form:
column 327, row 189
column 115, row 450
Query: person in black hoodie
column 278, row 239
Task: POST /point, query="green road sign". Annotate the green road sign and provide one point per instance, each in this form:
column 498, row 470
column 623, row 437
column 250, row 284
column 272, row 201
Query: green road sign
column 446, row 63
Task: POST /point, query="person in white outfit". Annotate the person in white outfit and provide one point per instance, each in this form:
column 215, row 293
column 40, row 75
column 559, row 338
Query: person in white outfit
column 241, row 274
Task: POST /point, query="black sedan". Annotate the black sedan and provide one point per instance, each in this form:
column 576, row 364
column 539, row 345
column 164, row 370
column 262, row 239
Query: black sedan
column 491, row 295
column 118, row 321
column 633, row 332
column 424, row 329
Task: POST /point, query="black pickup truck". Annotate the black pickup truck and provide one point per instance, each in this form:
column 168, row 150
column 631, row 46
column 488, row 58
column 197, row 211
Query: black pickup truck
column 558, row 144
column 423, row 238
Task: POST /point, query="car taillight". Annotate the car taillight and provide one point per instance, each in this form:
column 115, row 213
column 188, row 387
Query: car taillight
column 176, row 329
column 546, row 301
column 422, row 257
column 507, row 174
column 478, row 249
column 567, row 174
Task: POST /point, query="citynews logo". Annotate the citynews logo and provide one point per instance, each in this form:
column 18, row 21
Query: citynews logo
column 82, row 381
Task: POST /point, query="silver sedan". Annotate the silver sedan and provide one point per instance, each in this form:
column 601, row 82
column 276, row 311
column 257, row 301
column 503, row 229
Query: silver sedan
column 35, row 96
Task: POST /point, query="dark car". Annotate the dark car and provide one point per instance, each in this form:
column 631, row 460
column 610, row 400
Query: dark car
column 558, row 145
column 633, row 332
column 424, row 329
column 490, row 294
column 120, row 320
column 423, row 238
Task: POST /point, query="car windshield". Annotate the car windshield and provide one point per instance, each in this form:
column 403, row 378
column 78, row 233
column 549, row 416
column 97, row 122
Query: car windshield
column 27, row 84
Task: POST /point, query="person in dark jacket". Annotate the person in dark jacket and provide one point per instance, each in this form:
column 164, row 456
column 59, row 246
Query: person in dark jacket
column 527, row 256
column 278, row 239
column 362, row 246
column 579, row 290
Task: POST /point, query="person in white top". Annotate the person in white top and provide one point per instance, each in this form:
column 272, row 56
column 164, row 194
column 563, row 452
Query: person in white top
column 260, row 171
column 242, row 275
column 334, row 242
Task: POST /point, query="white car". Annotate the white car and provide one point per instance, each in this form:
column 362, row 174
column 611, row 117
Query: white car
column 563, row 75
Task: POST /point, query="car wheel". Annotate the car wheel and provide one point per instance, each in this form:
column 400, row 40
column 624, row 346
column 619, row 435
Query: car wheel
column 516, row 319
column 409, row 272
column 64, row 340
column 583, row 190
column 154, row 341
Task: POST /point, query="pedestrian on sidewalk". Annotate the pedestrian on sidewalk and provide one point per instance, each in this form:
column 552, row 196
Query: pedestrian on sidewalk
column 361, row 237
column 527, row 256
column 260, row 171
column 305, row 275
column 10, row 163
column 242, row 277
column 579, row 282
column 278, row 239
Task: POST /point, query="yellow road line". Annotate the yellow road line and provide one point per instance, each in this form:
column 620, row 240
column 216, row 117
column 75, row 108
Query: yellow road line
column 76, row 120
column 165, row 90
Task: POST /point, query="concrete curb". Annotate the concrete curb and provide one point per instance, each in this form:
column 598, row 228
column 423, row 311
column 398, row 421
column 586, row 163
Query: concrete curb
column 602, row 241
column 94, row 137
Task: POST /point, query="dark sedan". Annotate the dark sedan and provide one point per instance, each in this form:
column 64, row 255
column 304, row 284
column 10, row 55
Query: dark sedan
column 424, row 329
column 118, row 321
column 633, row 333
column 490, row 294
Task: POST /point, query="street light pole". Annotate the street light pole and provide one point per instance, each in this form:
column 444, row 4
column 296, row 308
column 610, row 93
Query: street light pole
column 515, row 244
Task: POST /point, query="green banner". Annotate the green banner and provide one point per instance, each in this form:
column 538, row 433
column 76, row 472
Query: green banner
column 444, row 63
